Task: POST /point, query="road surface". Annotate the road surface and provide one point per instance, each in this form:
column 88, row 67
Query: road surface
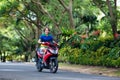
column 25, row 71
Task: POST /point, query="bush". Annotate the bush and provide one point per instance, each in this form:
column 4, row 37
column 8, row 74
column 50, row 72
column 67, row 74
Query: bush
column 100, row 52
column 102, row 57
column 64, row 54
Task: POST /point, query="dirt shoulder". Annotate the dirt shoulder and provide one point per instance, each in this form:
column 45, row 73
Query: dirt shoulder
column 115, row 72
column 91, row 69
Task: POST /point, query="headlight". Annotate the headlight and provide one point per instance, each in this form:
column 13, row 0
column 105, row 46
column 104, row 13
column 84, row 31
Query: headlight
column 53, row 51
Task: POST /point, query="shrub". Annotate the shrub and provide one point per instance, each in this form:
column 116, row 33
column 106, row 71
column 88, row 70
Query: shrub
column 99, row 52
column 64, row 54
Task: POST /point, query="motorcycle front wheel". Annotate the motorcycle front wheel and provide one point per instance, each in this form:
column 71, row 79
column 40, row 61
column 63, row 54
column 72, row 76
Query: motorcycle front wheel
column 39, row 65
column 53, row 66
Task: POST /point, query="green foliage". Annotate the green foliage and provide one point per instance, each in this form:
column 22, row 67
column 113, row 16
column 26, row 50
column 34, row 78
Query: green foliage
column 7, row 6
column 114, row 53
column 30, row 14
column 89, row 18
column 64, row 53
column 66, row 31
column 67, row 54
column 93, row 52
column 104, row 25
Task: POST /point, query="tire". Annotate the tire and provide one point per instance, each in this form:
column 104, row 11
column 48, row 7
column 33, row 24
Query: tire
column 53, row 66
column 39, row 65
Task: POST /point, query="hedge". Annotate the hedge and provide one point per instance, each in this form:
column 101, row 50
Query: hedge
column 98, row 53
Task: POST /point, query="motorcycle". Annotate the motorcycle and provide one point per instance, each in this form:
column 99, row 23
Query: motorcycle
column 48, row 60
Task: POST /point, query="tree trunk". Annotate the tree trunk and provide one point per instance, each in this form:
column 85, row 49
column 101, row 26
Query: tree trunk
column 0, row 56
column 114, row 30
column 113, row 19
column 71, row 15
column 4, row 58
column 37, row 34
column 69, row 11
column 26, row 58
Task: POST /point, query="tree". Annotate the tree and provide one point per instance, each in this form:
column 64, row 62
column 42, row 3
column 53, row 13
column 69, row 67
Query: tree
column 109, row 8
column 27, row 33
column 4, row 46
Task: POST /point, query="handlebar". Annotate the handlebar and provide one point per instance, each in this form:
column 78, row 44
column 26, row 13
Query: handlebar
column 48, row 43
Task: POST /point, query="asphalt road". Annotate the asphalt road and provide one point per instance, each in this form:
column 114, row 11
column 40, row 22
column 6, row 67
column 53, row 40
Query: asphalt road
column 25, row 71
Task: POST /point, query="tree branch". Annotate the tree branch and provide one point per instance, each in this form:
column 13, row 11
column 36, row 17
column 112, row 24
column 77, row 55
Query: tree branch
column 98, row 5
column 62, row 3
column 50, row 16
column 21, row 35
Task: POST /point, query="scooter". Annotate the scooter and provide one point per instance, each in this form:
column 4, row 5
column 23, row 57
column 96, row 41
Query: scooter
column 48, row 60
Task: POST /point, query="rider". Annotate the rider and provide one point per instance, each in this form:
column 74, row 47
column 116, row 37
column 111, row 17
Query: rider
column 45, row 37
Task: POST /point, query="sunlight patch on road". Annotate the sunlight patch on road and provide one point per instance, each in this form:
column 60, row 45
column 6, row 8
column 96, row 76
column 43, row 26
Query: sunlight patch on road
column 10, row 70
